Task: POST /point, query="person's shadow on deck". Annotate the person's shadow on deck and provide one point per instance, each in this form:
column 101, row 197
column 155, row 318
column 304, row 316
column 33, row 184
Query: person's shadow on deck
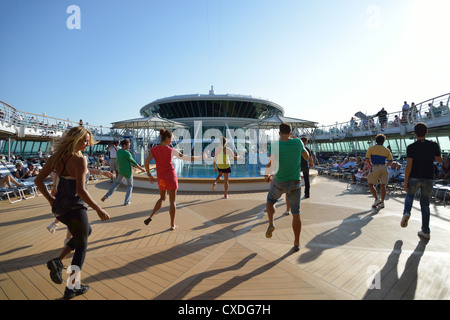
column 237, row 224
column 388, row 285
column 183, row 288
column 347, row 231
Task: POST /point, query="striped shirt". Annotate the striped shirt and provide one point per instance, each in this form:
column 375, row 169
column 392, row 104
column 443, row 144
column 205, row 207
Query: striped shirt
column 378, row 154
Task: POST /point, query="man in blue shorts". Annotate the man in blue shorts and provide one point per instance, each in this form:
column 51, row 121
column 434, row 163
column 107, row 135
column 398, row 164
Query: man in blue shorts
column 285, row 155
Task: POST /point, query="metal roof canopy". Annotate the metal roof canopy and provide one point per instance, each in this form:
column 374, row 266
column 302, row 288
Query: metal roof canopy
column 155, row 121
column 274, row 122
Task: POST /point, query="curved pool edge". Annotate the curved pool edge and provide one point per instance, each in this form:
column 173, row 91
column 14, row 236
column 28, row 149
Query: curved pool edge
column 204, row 184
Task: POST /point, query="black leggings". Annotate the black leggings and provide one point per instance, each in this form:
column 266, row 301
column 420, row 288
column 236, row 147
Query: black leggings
column 78, row 224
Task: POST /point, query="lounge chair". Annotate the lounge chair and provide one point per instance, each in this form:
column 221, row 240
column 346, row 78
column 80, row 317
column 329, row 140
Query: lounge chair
column 353, row 185
column 28, row 185
column 440, row 191
column 16, row 191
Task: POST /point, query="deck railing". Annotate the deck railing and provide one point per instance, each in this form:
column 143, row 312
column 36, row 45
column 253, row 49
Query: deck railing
column 427, row 111
column 12, row 118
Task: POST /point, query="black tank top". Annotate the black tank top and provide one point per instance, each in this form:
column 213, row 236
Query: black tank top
column 66, row 198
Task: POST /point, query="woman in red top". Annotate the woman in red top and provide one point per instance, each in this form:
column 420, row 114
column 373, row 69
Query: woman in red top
column 166, row 176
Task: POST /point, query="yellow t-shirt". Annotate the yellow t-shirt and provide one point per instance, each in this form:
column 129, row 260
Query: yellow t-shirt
column 223, row 159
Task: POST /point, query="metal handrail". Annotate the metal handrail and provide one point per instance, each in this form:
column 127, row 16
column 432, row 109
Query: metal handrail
column 10, row 116
column 426, row 110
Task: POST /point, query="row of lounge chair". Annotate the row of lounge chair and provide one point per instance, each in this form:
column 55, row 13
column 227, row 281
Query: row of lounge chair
column 441, row 191
column 18, row 193
column 29, row 189
column 440, row 194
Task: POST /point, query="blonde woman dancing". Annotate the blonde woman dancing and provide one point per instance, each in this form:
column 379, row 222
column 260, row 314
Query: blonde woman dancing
column 71, row 202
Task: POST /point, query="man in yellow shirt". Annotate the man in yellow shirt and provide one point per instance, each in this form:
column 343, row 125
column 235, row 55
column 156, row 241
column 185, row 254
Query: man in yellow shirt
column 376, row 157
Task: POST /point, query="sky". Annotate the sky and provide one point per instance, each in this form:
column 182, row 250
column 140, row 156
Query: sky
column 321, row 60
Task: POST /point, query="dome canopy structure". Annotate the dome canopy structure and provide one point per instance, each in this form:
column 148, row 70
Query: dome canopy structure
column 188, row 107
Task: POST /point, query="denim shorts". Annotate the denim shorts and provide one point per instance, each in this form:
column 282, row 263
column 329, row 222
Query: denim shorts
column 292, row 190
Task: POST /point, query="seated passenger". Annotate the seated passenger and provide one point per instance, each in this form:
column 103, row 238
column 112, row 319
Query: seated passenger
column 445, row 171
column 22, row 172
column 334, row 163
column 26, row 172
column 342, row 164
column 350, row 163
column 394, row 171
column 8, row 181
column 361, row 175
column 359, row 163
column 33, row 169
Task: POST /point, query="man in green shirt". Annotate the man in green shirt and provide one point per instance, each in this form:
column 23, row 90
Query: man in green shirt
column 125, row 161
column 285, row 155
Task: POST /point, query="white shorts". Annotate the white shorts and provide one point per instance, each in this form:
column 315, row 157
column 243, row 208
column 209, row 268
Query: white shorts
column 113, row 166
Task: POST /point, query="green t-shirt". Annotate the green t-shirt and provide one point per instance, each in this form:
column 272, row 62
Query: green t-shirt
column 288, row 156
column 125, row 160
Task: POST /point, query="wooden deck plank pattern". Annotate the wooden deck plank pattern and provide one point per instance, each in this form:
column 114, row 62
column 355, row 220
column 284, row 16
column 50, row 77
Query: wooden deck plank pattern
column 220, row 251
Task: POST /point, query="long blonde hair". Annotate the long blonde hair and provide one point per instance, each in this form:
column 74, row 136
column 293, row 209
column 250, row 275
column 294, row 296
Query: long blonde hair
column 68, row 143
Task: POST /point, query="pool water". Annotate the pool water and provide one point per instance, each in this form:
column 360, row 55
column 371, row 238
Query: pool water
column 189, row 170
column 207, row 171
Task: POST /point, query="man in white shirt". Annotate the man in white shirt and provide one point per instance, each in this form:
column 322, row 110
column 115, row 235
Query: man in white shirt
column 113, row 166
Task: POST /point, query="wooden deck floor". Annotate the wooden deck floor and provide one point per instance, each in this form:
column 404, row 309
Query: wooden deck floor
column 220, row 251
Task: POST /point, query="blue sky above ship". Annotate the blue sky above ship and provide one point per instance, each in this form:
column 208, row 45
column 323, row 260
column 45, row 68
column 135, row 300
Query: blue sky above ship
column 320, row 60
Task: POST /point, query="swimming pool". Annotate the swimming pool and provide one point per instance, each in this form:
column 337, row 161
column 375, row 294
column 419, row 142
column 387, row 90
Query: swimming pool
column 188, row 170
column 199, row 177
